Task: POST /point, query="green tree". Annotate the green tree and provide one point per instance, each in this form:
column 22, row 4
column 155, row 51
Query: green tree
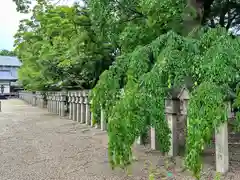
column 61, row 48
column 5, row 52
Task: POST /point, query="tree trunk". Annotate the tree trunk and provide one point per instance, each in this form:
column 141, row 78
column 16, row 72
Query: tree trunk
column 196, row 13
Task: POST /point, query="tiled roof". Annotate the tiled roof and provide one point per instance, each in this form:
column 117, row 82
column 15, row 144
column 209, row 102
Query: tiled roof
column 9, row 61
column 6, row 75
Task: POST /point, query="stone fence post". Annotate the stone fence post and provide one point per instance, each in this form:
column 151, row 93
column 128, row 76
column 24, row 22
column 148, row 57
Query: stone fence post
column 103, row 120
column 63, row 99
column 70, row 98
column 47, row 97
column 88, row 112
column 42, row 100
column 49, row 101
column 78, row 101
column 57, row 96
column 74, row 104
column 171, row 111
column 83, row 106
column 54, row 103
column 91, row 115
column 34, row 99
column 38, row 98
column 221, row 144
column 182, row 119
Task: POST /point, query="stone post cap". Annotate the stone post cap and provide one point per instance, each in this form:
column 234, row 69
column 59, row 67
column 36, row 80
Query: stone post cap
column 81, row 99
column 69, row 98
column 73, row 99
column 172, row 106
column 77, row 98
column 78, row 93
column 85, row 93
column 63, row 93
column 184, row 94
column 86, row 100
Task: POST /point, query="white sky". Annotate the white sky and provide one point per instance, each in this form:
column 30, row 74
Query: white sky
column 9, row 21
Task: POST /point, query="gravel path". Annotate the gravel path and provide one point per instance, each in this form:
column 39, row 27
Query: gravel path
column 36, row 145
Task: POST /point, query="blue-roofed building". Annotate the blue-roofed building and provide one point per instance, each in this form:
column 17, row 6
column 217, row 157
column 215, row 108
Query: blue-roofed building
column 8, row 73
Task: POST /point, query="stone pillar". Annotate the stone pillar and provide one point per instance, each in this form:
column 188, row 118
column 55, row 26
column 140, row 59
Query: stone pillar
column 91, row 114
column 47, row 101
column 88, row 113
column 83, row 107
column 221, row 144
column 62, row 103
column 79, row 94
column 57, row 102
column 74, row 106
column 103, row 121
column 171, row 110
column 31, row 98
column 70, row 105
column 51, row 102
column 139, row 141
column 182, row 118
column 37, row 99
column 34, row 99
column 154, row 144
column 42, row 101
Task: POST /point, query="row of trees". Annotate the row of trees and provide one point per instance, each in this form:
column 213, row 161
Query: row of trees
column 132, row 53
column 59, row 48
column 73, row 45
column 5, row 52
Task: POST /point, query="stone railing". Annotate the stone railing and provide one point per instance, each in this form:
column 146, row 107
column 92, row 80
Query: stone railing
column 72, row 104
column 75, row 105
column 40, row 99
column 176, row 116
column 28, row 97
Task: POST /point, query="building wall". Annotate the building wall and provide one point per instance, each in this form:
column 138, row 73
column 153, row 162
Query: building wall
column 6, row 87
column 13, row 70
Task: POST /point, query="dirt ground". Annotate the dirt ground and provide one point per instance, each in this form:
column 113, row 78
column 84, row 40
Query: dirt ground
column 37, row 145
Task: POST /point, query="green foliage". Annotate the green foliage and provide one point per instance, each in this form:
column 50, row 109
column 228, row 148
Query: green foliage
column 127, row 24
column 134, row 53
column 59, row 48
column 149, row 72
column 206, row 112
column 5, row 52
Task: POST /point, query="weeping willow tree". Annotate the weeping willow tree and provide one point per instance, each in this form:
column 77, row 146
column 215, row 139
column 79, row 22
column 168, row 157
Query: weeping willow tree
column 147, row 69
column 147, row 74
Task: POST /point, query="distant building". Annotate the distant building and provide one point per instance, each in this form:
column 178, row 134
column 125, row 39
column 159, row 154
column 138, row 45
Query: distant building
column 8, row 74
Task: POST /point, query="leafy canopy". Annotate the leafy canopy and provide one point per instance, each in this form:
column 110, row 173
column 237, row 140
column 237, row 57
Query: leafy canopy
column 59, row 48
